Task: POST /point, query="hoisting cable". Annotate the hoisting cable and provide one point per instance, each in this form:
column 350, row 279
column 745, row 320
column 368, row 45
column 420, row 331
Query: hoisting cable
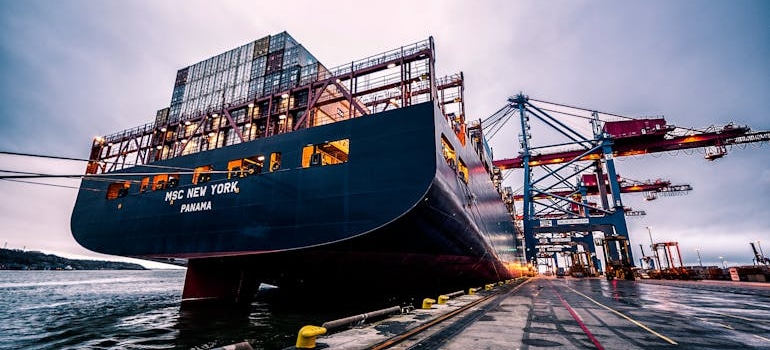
column 55, row 185
column 87, row 160
column 582, row 109
column 98, row 176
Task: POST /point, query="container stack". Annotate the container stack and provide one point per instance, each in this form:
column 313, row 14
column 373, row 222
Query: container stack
column 266, row 66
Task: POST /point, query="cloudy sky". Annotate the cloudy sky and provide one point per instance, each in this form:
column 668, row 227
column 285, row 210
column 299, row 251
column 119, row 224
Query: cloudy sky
column 75, row 69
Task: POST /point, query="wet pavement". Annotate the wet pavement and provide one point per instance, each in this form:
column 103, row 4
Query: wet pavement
column 567, row 313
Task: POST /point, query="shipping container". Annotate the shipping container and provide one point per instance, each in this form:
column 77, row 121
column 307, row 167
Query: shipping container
column 178, row 94
column 261, row 47
column 272, row 83
column 277, row 42
column 312, row 72
column 256, row 88
column 174, row 112
column 161, row 117
column 289, row 78
column 258, row 67
column 274, row 62
column 181, row 76
column 266, row 65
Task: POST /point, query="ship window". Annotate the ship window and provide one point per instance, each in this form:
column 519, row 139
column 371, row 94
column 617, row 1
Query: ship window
column 327, row 153
column 202, row 174
column 462, row 170
column 118, row 189
column 275, row 161
column 173, row 180
column 245, row 166
column 448, row 152
column 145, row 184
column 159, row 182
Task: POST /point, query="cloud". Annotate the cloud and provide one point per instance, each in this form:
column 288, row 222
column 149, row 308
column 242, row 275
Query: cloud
column 69, row 75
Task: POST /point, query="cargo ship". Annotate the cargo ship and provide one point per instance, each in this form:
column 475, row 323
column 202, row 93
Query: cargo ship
column 267, row 167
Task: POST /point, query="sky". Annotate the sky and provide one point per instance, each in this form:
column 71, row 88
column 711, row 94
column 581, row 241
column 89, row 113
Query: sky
column 75, row 69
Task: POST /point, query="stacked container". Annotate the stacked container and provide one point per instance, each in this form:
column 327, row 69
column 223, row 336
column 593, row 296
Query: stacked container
column 269, row 65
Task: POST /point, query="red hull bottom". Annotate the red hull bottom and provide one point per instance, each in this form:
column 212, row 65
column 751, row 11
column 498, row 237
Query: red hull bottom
column 337, row 275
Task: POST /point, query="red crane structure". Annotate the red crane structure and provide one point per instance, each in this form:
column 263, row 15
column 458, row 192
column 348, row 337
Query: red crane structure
column 561, row 171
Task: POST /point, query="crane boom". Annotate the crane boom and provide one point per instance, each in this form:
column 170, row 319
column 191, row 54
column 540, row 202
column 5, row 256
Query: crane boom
column 645, row 140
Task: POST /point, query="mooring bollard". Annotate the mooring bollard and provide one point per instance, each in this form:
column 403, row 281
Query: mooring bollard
column 427, row 303
column 307, row 335
column 442, row 299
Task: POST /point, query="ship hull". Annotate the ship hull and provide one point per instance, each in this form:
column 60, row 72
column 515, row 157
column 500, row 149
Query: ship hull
column 395, row 217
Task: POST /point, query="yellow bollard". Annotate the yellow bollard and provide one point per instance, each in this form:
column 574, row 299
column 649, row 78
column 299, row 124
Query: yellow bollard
column 427, row 303
column 471, row 291
column 442, row 299
column 500, row 283
column 307, row 335
column 489, row 286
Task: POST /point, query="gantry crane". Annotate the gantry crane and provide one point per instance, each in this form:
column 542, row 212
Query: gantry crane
column 555, row 209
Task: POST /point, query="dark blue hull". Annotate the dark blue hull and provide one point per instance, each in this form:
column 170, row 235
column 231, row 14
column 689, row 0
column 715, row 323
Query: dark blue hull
column 395, row 211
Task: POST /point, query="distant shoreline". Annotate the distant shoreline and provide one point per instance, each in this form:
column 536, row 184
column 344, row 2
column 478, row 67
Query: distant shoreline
column 19, row 260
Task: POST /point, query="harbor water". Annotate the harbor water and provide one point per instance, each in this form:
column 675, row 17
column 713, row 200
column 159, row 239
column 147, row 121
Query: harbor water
column 128, row 310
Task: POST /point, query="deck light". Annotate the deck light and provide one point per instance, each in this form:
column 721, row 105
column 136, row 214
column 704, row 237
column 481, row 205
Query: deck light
column 158, row 147
column 184, row 140
column 338, row 81
column 251, row 105
column 392, row 65
column 211, row 134
column 261, row 158
column 285, row 96
column 282, row 116
column 163, row 129
column 215, row 115
column 187, row 122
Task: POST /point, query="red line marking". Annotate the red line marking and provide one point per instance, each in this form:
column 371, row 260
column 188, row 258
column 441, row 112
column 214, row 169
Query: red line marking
column 575, row 316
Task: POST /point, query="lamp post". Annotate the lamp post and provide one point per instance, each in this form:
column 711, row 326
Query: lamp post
column 699, row 261
column 722, row 260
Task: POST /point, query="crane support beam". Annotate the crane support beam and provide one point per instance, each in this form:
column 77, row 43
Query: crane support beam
column 663, row 186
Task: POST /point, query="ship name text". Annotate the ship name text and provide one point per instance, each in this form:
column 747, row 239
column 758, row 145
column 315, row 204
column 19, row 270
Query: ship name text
column 200, row 191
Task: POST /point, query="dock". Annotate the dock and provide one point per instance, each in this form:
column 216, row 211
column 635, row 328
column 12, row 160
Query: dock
column 577, row 313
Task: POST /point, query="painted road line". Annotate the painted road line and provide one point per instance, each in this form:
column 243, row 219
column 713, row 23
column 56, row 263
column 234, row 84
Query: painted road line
column 718, row 324
column 577, row 318
column 661, row 336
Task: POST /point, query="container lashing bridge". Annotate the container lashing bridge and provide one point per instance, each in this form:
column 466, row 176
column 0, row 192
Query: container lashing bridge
column 562, row 170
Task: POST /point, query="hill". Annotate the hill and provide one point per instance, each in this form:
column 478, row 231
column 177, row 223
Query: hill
column 15, row 259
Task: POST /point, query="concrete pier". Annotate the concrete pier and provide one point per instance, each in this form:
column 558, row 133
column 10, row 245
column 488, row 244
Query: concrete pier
column 589, row 313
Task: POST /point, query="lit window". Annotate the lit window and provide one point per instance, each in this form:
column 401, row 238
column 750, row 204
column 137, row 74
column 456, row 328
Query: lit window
column 275, row 161
column 462, row 170
column 327, row 153
column 118, row 189
column 145, row 184
column 159, row 182
column 245, row 166
column 173, row 180
column 202, row 174
column 448, row 152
